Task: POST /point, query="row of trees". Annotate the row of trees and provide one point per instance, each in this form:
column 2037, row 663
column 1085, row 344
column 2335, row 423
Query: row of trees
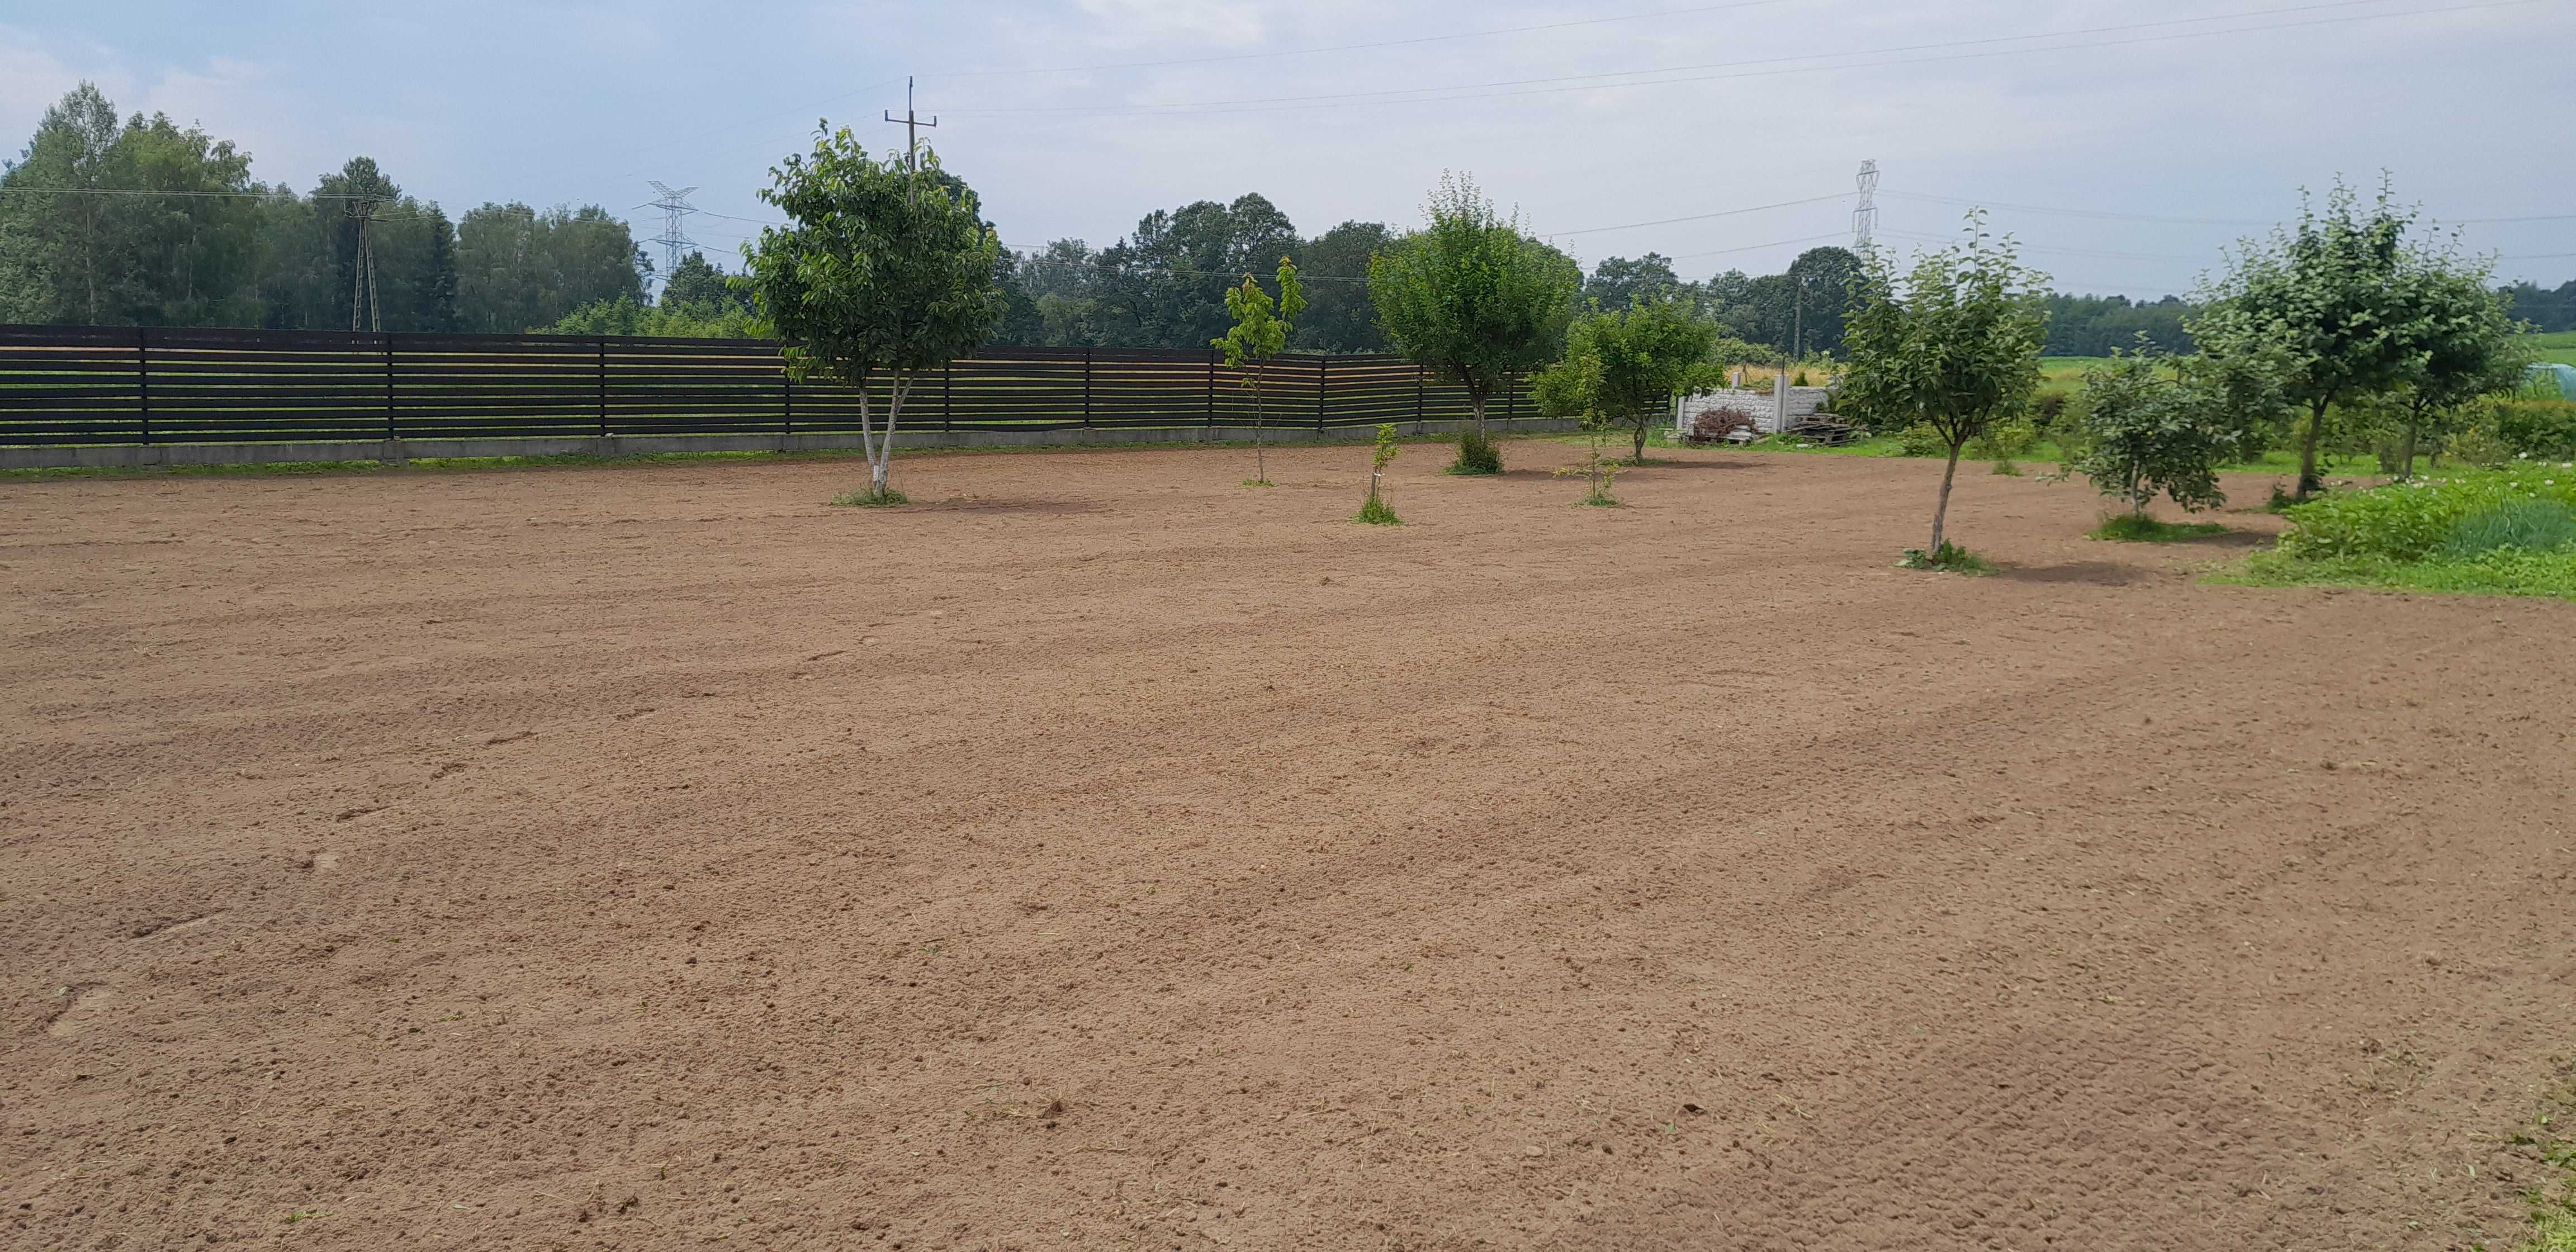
column 142, row 222
column 2342, row 308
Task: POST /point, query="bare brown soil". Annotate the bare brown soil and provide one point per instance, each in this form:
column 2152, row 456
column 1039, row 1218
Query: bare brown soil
column 1101, row 854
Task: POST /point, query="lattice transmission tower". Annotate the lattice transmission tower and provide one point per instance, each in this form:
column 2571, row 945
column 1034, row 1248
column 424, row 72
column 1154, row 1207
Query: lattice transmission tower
column 1865, row 213
column 675, row 235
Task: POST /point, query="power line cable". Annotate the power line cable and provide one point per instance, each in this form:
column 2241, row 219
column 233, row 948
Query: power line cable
column 1591, row 82
column 1358, row 47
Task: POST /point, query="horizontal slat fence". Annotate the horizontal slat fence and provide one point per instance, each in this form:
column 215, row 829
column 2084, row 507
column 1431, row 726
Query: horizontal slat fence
column 152, row 385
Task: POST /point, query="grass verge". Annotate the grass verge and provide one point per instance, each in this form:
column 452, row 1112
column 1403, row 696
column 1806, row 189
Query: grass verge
column 2503, row 572
column 2140, row 528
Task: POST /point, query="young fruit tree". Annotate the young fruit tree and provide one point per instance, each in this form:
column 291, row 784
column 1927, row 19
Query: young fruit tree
column 883, row 271
column 1951, row 346
column 2329, row 299
column 1375, row 510
column 2155, row 425
column 1622, row 369
column 1472, row 299
column 2463, row 345
column 1261, row 328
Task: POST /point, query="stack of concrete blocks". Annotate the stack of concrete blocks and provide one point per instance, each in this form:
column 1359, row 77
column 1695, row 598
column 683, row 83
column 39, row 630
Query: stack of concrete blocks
column 1781, row 407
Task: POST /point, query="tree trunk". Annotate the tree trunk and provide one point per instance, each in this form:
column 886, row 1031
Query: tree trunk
column 1941, row 511
column 2406, row 452
column 1639, row 442
column 2309, row 482
column 884, row 461
column 1260, row 461
column 1476, row 408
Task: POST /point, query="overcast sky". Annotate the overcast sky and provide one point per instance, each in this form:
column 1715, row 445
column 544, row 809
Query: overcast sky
column 1075, row 118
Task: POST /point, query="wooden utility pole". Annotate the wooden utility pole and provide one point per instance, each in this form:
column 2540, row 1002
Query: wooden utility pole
column 912, row 124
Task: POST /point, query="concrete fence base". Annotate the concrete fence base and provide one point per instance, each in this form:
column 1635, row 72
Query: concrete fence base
column 398, row 451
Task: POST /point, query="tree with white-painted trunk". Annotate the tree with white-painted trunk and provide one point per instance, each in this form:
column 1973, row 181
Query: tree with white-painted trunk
column 884, row 271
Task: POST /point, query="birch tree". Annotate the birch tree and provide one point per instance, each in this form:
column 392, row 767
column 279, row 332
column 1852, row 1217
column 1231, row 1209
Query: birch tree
column 885, row 271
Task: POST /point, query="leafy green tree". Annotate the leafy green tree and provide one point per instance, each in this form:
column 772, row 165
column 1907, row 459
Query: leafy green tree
column 1164, row 286
column 1951, row 346
column 696, row 283
column 1622, row 368
column 1261, row 328
column 1335, row 264
column 2153, row 427
column 884, row 268
column 1618, row 283
column 1473, row 299
column 2327, row 292
column 519, row 268
column 2463, row 344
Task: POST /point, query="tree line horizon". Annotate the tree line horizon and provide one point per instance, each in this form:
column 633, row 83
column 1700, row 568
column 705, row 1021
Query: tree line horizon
column 216, row 248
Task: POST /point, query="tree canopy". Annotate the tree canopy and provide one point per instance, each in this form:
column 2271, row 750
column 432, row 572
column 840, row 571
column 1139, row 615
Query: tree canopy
column 885, row 268
column 1472, row 298
column 1953, row 344
column 141, row 221
column 1623, row 367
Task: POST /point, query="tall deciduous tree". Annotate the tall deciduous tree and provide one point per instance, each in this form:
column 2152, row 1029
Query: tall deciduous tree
column 1953, row 344
column 884, row 269
column 1335, row 263
column 2328, row 293
column 1261, row 328
column 1622, row 368
column 1472, row 298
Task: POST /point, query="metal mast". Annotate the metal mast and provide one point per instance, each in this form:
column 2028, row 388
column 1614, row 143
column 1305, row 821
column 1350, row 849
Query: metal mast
column 1865, row 213
column 675, row 208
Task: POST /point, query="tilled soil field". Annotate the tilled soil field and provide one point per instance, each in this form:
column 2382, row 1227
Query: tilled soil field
column 1101, row 854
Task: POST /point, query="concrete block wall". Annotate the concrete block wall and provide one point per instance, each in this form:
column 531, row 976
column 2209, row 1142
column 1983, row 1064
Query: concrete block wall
column 1766, row 407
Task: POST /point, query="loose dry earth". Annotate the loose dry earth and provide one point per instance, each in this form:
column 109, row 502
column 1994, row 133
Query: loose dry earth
column 1107, row 855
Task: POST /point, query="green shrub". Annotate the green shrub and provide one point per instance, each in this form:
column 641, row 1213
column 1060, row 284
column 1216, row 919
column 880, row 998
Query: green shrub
column 2004, row 440
column 2478, row 446
column 1477, row 454
column 2539, row 429
column 2411, row 520
column 2535, row 525
column 1921, row 441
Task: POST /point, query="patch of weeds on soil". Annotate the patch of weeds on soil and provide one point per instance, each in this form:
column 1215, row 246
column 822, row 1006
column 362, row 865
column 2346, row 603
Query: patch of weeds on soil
column 2549, row 1147
column 1376, row 512
column 2140, row 528
column 1949, row 558
column 886, row 499
column 2504, row 572
column 1259, row 482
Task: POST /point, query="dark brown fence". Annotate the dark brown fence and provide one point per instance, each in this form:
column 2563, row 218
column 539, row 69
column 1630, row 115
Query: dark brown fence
column 128, row 385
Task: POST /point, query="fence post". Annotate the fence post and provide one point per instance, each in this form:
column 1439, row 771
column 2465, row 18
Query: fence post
column 1211, row 389
column 603, row 388
column 1511, row 394
column 1323, row 382
column 1086, row 387
column 143, row 379
column 392, row 431
column 1421, row 379
column 947, row 404
column 786, row 403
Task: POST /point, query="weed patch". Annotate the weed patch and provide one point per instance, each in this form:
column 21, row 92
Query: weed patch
column 1950, row 558
column 2140, row 528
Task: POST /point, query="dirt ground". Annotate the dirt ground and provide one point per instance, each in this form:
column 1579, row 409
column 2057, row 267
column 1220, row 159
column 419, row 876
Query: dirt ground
column 1101, row 854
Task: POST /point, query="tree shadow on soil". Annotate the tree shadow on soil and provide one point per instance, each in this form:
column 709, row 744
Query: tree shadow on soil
column 2078, row 573
column 964, row 504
